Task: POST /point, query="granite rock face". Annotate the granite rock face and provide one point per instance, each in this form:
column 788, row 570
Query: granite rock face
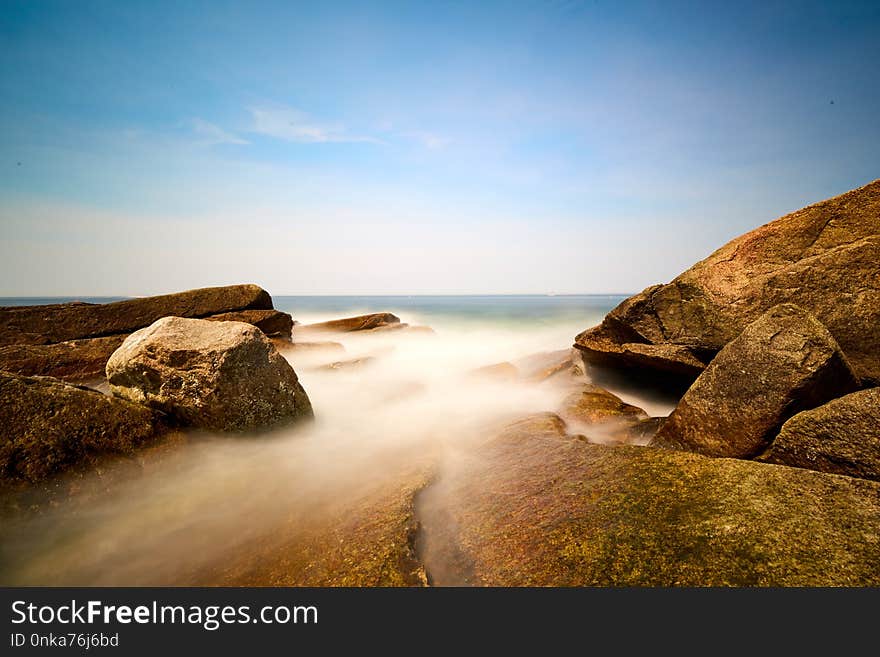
column 224, row 376
column 823, row 258
column 50, row 425
column 783, row 363
column 534, row 507
column 842, row 436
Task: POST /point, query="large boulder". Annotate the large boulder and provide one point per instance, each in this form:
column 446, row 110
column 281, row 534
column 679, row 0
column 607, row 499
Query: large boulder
column 550, row 510
column 49, row 425
column 72, row 321
column 822, row 258
column 783, row 363
column 224, row 376
column 842, row 436
column 74, row 360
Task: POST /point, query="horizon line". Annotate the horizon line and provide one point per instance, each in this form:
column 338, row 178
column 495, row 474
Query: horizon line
column 403, row 296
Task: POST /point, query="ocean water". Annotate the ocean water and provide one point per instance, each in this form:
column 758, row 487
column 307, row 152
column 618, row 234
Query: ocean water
column 439, row 311
column 407, row 398
column 432, row 310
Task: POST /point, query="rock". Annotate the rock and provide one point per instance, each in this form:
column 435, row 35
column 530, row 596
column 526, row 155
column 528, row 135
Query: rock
column 49, row 425
column 781, row 364
column 557, row 365
column 592, row 404
column 497, row 372
column 274, row 323
column 359, row 323
column 599, row 348
column 75, row 360
column 643, row 431
column 842, row 436
column 363, row 535
column 72, row 321
column 419, row 329
column 538, row 424
column 224, row 376
column 545, row 510
column 314, row 346
column 603, row 416
column 822, row 258
column 348, row 364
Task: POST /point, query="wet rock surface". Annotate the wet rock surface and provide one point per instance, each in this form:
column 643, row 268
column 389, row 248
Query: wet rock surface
column 540, row 508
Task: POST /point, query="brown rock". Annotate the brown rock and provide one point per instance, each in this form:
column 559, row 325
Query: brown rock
column 364, row 535
column 49, row 425
column 604, row 416
column 555, row 365
column 225, row 376
column 71, row 321
column 842, row 436
column 359, row 323
column 274, row 323
column 783, row 363
column 600, row 349
column 546, row 510
column 312, row 346
column 496, row 372
column 76, row 360
column 822, row 258
column 348, row 364
column 592, row 404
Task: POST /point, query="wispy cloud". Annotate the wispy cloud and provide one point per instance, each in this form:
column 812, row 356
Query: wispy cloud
column 211, row 134
column 427, row 139
column 291, row 124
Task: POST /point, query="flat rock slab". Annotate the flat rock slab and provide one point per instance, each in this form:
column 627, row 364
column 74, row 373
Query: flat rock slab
column 73, row 321
column 842, row 436
column 75, row 360
column 783, row 363
column 273, row 323
column 599, row 349
column 534, row 508
column 348, row 324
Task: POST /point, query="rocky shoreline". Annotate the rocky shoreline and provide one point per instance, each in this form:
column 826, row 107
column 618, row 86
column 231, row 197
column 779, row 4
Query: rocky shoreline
column 766, row 473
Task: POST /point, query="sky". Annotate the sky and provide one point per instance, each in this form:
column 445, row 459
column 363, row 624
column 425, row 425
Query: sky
column 417, row 147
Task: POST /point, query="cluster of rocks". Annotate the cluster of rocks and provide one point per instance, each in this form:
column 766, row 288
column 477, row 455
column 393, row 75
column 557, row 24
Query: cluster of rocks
column 73, row 341
column 822, row 258
column 200, row 359
column 775, row 339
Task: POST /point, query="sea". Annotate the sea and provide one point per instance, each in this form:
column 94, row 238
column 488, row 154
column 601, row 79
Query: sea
column 188, row 512
column 433, row 310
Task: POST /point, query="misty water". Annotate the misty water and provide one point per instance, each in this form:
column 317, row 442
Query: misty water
column 180, row 517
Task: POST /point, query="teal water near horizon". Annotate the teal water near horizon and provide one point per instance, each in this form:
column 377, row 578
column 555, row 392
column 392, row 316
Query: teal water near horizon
column 508, row 310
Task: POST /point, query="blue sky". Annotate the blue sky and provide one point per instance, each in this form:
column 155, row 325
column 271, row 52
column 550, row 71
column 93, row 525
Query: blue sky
column 403, row 148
